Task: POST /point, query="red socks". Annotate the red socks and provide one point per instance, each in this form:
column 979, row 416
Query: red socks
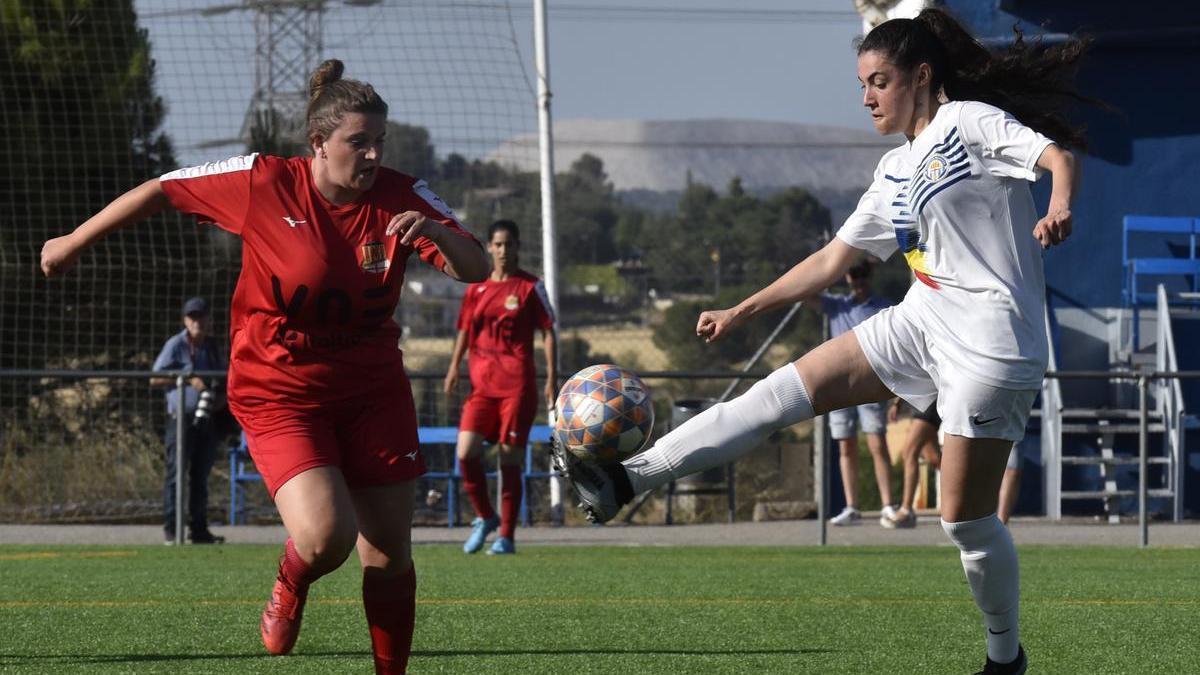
column 510, row 498
column 391, row 605
column 475, row 485
column 294, row 571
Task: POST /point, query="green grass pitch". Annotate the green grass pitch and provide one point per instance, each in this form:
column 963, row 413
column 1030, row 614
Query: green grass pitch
column 581, row 609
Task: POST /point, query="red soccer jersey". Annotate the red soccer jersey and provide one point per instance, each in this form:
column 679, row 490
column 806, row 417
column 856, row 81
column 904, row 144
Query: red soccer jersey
column 311, row 320
column 499, row 318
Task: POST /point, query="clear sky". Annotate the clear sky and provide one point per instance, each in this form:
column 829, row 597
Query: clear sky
column 784, row 60
column 464, row 70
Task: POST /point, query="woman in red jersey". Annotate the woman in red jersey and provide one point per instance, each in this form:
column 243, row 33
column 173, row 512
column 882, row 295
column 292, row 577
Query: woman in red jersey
column 316, row 378
column 496, row 322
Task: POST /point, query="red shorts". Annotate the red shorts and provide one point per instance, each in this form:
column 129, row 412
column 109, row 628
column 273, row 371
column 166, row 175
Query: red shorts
column 500, row 420
column 373, row 440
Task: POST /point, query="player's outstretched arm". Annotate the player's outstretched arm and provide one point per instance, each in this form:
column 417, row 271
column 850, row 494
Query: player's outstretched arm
column 1055, row 227
column 60, row 253
column 813, row 274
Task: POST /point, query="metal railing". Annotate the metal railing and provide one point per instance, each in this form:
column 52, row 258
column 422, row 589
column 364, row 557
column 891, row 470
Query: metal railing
column 1143, row 381
column 114, row 443
column 180, row 377
column 1170, row 404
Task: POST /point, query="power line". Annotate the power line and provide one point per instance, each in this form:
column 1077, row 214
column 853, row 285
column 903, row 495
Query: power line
column 573, row 12
column 737, row 145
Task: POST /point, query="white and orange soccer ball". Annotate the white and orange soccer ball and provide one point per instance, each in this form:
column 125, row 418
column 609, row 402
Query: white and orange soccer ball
column 604, row 414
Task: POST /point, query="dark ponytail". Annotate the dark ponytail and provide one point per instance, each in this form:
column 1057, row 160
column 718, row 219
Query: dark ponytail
column 1031, row 81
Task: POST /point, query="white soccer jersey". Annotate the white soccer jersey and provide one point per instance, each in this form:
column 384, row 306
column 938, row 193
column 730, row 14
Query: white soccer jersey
column 956, row 202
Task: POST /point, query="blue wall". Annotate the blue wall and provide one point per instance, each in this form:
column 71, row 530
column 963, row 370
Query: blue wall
column 1144, row 156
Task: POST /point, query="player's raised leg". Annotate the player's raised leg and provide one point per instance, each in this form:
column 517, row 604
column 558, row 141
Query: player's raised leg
column 834, row 375
column 319, row 517
column 389, row 586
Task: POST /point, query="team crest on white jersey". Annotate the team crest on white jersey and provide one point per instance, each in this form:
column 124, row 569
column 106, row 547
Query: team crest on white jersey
column 935, row 168
column 373, row 257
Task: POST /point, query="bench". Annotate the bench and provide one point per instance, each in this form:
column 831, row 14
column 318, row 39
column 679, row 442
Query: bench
column 241, row 471
column 1136, row 269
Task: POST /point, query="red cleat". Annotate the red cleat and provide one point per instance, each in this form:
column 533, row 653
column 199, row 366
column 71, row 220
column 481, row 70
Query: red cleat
column 281, row 618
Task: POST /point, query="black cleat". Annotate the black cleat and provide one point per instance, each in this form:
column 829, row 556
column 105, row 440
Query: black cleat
column 1016, row 667
column 597, row 489
column 205, row 537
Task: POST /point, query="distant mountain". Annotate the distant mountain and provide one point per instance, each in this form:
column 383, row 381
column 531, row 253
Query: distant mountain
column 645, row 159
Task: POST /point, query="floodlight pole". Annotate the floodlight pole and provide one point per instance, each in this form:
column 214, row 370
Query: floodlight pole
column 821, row 485
column 179, row 443
column 546, row 151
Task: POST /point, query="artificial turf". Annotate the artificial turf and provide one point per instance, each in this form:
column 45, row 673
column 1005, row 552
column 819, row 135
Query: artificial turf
column 583, row 609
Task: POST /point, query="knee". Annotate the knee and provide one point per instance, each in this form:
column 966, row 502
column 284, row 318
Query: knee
column 326, row 547
column 982, row 535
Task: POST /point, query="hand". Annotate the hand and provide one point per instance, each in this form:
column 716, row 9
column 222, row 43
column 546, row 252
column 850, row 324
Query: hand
column 412, row 224
column 1054, row 228
column 59, row 255
column 451, row 383
column 550, row 392
column 197, row 384
column 894, row 412
column 713, row 324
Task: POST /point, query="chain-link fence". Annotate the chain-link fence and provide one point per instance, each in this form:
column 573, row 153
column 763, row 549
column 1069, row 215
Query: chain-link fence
column 89, row 447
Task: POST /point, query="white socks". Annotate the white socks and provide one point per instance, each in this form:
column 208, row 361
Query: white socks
column 724, row 432
column 990, row 561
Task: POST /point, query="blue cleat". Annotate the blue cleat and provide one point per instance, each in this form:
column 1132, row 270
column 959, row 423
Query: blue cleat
column 480, row 529
column 502, row 546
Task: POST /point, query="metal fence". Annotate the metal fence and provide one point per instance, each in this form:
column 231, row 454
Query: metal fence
column 88, row 446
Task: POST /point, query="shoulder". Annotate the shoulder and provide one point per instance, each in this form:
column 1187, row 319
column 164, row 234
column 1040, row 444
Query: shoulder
column 890, row 165
column 239, row 163
column 272, row 168
column 969, row 109
column 528, row 278
column 172, row 343
column 392, row 179
column 973, row 117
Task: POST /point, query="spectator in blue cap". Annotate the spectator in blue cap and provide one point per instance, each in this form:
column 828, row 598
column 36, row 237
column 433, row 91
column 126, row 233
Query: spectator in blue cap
column 193, row 348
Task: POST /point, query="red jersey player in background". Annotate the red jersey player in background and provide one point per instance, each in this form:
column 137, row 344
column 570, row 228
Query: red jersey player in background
column 316, row 378
column 496, row 323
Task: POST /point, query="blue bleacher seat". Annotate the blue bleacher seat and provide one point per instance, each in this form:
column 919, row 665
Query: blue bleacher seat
column 1136, row 268
column 239, row 472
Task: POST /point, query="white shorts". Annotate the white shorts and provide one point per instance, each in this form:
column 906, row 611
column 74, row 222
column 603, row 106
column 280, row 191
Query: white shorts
column 908, row 364
column 871, row 416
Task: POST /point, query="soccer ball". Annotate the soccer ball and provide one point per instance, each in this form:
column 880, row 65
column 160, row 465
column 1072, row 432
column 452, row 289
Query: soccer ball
column 604, row 414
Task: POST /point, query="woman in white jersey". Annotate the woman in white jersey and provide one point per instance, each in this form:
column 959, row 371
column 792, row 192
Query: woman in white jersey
column 955, row 201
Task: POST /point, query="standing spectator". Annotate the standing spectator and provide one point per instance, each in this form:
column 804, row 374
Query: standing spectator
column 845, row 312
column 496, row 326
column 191, row 349
column 922, row 441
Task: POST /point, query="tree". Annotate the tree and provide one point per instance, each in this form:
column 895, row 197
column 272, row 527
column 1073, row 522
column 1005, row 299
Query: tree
column 410, row 151
column 82, row 125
